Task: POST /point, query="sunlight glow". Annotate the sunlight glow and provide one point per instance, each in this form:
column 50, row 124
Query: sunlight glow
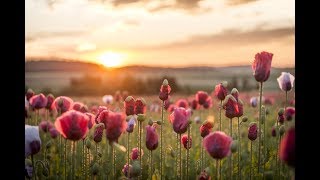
column 111, row 59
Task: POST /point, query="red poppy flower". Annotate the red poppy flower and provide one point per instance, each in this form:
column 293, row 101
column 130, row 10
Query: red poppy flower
column 135, row 153
column 205, row 128
column 100, row 109
column 115, row 125
column 165, row 90
column 194, row 104
column 201, row 97
column 129, row 105
column 184, row 141
column 261, row 66
column 50, row 99
column 140, row 106
column 289, row 113
column 253, row 131
column 182, row 103
column 91, row 119
column 208, row 104
column 98, row 132
column 287, row 148
column 45, row 126
column 217, row 144
column 72, row 125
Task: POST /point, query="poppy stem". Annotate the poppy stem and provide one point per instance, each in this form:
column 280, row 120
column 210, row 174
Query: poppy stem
column 180, row 157
column 251, row 167
column 113, row 162
column 140, row 142
column 220, row 108
column 128, row 151
column 286, row 104
column 230, row 157
column 83, row 159
column 239, row 149
column 188, row 146
column 65, row 159
column 279, row 163
column 34, row 167
column 264, row 145
column 259, row 129
column 73, row 159
column 161, row 140
column 176, row 158
column 151, row 165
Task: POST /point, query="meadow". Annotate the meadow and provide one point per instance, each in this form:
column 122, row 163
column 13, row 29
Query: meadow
column 69, row 143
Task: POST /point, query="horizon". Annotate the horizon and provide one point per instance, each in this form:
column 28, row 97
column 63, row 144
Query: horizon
column 167, row 33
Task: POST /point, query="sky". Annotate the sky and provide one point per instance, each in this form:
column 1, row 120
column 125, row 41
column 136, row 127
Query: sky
column 165, row 33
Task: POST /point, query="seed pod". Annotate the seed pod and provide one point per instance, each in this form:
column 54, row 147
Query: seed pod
column 282, row 130
column 141, row 117
column 244, row 119
column 88, row 143
column 281, row 111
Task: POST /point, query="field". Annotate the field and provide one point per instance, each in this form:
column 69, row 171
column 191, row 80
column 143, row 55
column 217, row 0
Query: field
column 102, row 154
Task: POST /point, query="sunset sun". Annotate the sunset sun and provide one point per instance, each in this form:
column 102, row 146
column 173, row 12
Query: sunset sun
column 111, row 59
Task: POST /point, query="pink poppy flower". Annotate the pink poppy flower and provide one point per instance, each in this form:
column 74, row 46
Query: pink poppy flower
column 205, row 128
column 91, row 118
column 50, row 99
column 129, row 105
column 72, row 125
column 38, row 101
column 217, row 144
column 208, row 104
column 135, row 153
column 98, row 132
column 151, row 138
column 29, row 93
column 171, row 108
column 115, row 125
column 201, row 97
column 289, row 113
column 287, row 148
column 261, row 66
column 230, row 104
column 184, row 141
column 45, row 126
column 253, row 131
column 53, row 132
column 165, row 90
column 194, row 104
column 180, row 119
column 62, row 104
column 77, row 106
column 182, row 103
column 99, row 111
column 221, row 91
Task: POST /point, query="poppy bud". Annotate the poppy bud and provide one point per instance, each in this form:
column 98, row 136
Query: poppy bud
column 184, row 141
column 261, row 66
column 129, row 104
column 289, row 113
column 281, row 111
column 98, row 132
column 140, row 106
column 88, row 143
column 244, row 119
column 253, row 131
column 282, row 130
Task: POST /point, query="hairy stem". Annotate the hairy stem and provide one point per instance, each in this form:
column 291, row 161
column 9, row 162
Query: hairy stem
column 161, row 141
column 230, row 157
column 259, row 129
column 239, row 149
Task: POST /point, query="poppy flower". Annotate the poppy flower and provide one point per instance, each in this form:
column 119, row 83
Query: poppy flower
column 50, row 99
column 230, row 104
column 180, row 119
column 115, row 125
column 171, row 108
column 165, row 90
column 182, row 103
column 201, row 97
column 38, row 101
column 32, row 141
column 53, row 132
column 217, row 144
column 45, row 126
column 151, row 138
column 98, row 132
column 167, row 103
column 72, row 125
column 62, row 104
column 29, row 93
column 135, row 153
column 184, row 141
column 289, row 113
column 235, row 93
column 205, row 128
column 194, row 104
column 129, row 105
column 131, row 124
column 91, row 118
column 253, row 131
column 240, row 108
column 99, row 111
column 254, row 101
column 140, row 106
column 261, row 66
column 281, row 119
column 77, row 106
column 285, row 81
column 221, row 91
column 107, row 99
column 208, row 104
column 287, row 148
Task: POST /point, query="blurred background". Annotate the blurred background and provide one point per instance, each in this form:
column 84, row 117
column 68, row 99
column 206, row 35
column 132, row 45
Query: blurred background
column 96, row 47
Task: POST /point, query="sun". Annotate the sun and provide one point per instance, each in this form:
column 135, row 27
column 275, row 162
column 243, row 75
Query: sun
column 111, row 59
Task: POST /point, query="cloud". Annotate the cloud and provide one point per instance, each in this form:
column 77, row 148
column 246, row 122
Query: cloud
column 32, row 36
column 230, row 36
